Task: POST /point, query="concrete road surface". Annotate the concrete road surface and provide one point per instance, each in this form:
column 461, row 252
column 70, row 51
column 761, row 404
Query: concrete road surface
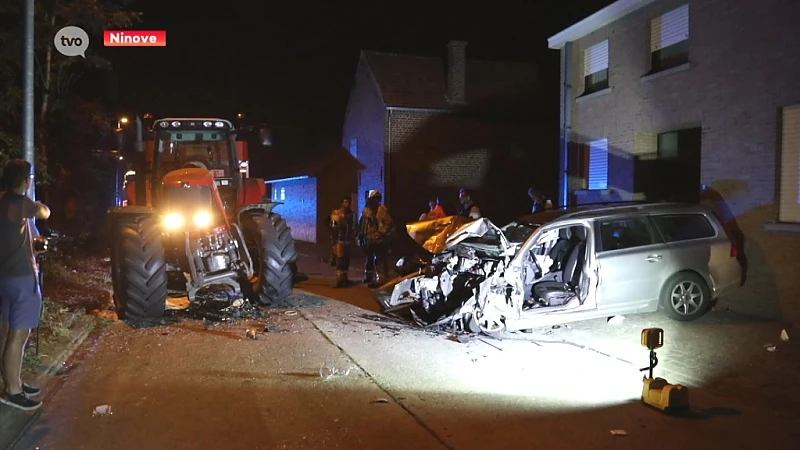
column 194, row 386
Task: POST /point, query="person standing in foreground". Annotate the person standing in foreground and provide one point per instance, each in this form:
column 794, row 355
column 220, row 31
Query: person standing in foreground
column 343, row 229
column 374, row 236
column 20, row 295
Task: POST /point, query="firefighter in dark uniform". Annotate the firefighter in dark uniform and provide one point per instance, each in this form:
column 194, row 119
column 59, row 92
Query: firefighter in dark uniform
column 468, row 207
column 375, row 229
column 343, row 232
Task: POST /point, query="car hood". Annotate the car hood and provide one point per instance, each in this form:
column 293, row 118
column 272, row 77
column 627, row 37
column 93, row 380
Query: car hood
column 442, row 234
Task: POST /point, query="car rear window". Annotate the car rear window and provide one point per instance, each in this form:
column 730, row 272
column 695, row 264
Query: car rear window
column 684, row 227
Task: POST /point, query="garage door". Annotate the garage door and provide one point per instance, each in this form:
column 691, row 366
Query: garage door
column 789, row 206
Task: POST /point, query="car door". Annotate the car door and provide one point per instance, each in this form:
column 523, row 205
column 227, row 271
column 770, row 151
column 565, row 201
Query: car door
column 631, row 261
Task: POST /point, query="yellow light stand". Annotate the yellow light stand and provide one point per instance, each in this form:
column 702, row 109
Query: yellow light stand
column 658, row 392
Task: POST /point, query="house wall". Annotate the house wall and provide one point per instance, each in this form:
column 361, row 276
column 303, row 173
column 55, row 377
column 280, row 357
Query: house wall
column 743, row 69
column 364, row 121
column 435, row 154
column 299, row 206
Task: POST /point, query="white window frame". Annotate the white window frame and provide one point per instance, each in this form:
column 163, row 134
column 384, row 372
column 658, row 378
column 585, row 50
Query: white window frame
column 789, row 178
column 283, row 193
column 274, row 193
column 597, row 177
column 669, row 28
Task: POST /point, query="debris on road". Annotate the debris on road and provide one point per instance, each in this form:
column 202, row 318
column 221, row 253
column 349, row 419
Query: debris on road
column 619, row 433
column 328, row 371
column 102, row 410
column 272, row 328
column 784, row 336
column 616, row 320
column 251, row 333
column 290, row 313
column 380, row 400
column 770, row 348
column 461, row 338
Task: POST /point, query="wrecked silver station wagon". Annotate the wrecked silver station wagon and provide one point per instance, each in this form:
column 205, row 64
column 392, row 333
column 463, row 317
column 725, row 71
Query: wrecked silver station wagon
column 578, row 265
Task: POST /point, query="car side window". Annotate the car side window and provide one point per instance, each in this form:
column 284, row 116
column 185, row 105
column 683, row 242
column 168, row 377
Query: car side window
column 619, row 233
column 683, row 227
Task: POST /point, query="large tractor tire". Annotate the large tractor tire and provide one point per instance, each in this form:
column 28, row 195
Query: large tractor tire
column 138, row 268
column 271, row 246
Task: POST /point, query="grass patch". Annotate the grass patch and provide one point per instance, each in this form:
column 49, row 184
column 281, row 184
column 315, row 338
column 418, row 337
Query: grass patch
column 74, row 287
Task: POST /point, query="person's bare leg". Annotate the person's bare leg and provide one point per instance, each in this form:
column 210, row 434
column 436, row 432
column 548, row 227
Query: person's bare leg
column 4, row 329
column 12, row 360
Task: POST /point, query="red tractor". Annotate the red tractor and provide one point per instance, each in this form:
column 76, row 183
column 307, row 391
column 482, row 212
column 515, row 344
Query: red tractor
column 193, row 212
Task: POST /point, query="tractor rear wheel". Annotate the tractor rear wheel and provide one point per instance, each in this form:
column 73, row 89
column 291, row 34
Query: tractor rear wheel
column 272, row 248
column 138, row 268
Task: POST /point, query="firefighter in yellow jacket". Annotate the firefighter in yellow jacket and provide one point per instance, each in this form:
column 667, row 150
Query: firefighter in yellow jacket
column 375, row 233
column 343, row 232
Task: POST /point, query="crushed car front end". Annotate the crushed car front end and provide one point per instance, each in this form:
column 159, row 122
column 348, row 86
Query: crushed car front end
column 467, row 268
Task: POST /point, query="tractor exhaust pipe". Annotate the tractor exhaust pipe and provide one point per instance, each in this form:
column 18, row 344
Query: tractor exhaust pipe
column 142, row 172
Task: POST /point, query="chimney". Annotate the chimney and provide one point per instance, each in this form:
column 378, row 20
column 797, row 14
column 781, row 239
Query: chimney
column 456, row 72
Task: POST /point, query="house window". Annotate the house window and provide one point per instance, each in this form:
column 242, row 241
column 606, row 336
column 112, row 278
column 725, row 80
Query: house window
column 789, row 201
column 354, row 147
column 595, row 68
column 283, row 193
column 274, row 193
column 669, row 39
column 598, row 164
column 668, row 145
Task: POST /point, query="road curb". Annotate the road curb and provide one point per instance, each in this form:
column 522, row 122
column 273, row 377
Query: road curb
column 81, row 332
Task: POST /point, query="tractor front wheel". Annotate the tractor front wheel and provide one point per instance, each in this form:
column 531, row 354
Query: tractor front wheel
column 272, row 248
column 138, row 269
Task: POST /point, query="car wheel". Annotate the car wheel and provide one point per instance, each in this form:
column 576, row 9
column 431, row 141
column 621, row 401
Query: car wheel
column 685, row 296
column 489, row 326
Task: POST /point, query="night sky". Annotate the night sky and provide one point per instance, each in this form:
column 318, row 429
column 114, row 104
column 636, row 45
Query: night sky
column 291, row 63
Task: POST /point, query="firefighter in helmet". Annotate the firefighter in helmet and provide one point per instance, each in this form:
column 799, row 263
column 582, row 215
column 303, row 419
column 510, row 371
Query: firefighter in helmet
column 343, row 231
column 375, row 232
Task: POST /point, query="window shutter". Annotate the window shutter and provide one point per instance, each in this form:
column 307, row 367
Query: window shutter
column 670, row 28
column 789, row 203
column 598, row 164
column 595, row 58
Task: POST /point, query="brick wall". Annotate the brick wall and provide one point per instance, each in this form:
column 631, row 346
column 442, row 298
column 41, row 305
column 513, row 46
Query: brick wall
column 744, row 65
column 437, row 154
column 365, row 121
column 299, row 207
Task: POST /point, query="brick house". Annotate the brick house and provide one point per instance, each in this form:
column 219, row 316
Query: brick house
column 427, row 126
column 310, row 188
column 692, row 100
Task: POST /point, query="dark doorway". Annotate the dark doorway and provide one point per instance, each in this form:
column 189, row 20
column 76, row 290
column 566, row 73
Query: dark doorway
column 674, row 175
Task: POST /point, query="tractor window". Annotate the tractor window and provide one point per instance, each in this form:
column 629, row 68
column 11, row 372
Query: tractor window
column 204, row 149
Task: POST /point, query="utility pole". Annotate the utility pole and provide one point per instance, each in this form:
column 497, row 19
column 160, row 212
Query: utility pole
column 27, row 109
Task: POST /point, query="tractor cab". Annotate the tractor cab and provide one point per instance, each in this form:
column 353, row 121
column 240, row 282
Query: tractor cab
column 174, row 145
column 195, row 155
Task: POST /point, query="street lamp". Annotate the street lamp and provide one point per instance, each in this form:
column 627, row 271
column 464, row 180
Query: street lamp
column 122, row 121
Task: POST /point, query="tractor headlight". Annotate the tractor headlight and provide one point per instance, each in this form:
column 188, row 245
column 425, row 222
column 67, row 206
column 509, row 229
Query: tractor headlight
column 202, row 219
column 173, row 221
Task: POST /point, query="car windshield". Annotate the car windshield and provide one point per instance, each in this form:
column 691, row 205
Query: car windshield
column 517, row 232
column 204, row 149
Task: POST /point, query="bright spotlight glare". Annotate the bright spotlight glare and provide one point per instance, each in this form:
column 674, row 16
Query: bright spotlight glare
column 173, row 221
column 202, row 219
